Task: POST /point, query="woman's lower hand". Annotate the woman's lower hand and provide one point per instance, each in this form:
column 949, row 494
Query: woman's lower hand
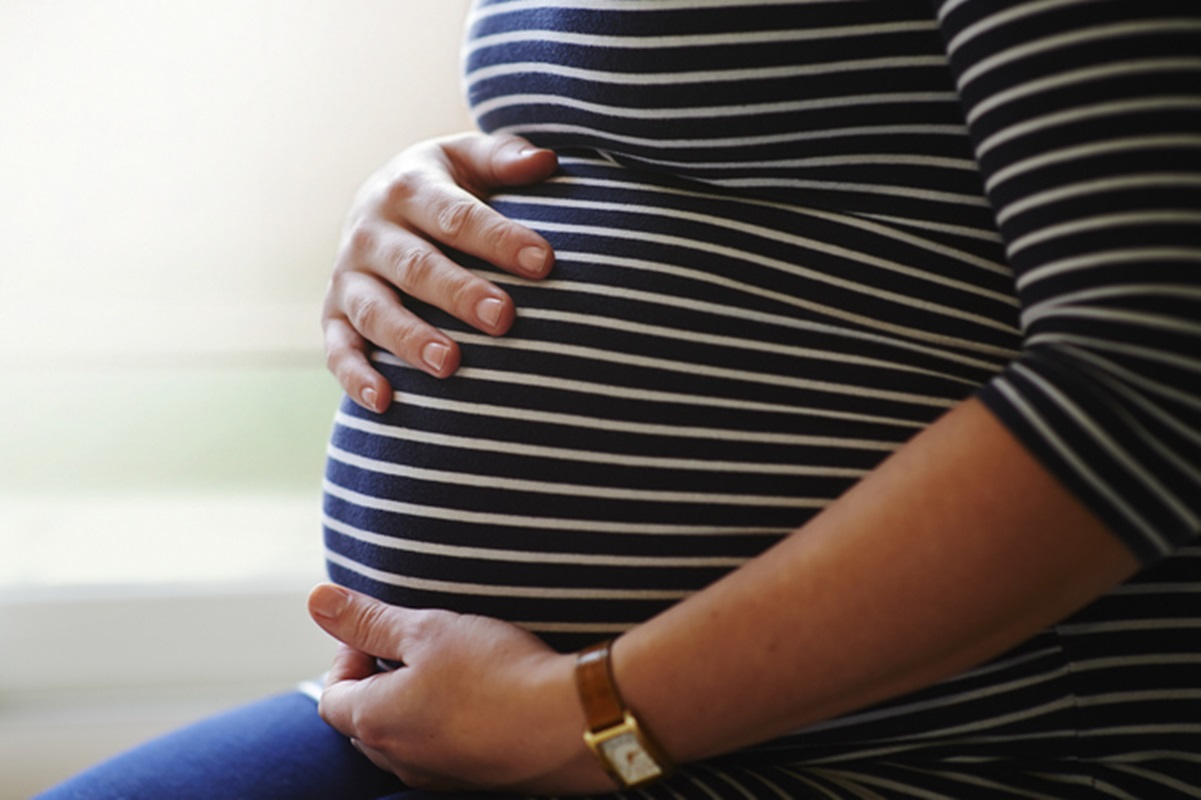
column 477, row 703
column 427, row 198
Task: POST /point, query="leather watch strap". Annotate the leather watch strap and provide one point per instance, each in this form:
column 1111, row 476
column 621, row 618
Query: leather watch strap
column 602, row 703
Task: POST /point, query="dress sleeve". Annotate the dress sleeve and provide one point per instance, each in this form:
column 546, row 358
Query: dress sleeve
column 1086, row 121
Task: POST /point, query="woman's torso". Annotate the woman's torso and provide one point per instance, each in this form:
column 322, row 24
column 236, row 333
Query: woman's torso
column 774, row 265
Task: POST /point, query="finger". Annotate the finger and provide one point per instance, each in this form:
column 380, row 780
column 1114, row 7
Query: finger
column 373, row 311
column 350, row 664
column 445, row 205
column 346, row 358
column 483, row 163
column 364, row 623
column 419, row 269
column 411, row 777
column 376, row 757
column 452, row 216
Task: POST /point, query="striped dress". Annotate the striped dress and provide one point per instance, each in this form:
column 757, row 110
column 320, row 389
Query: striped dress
column 790, row 234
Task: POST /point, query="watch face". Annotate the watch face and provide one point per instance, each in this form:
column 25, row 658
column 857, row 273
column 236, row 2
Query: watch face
column 625, row 753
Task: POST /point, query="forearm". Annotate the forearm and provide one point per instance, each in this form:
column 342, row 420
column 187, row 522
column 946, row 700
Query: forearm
column 955, row 549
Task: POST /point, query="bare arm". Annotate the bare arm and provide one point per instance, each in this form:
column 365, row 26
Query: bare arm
column 955, row 549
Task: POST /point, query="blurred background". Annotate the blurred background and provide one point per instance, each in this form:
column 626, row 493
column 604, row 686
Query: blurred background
column 173, row 176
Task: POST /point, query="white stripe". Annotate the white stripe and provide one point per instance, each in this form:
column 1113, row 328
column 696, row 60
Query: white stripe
column 1142, row 730
column 486, row 481
column 1166, row 589
column 1158, row 777
column 788, row 268
column 1154, row 755
column 1063, row 41
column 1118, row 454
column 994, row 21
column 734, row 38
column 460, row 516
column 665, row 79
column 1128, row 626
column 1084, row 75
column 840, row 160
column 1134, row 425
column 642, row 428
column 1118, row 108
column 1089, row 150
column 628, row 6
column 645, row 395
column 527, row 556
column 582, row 456
column 981, row 234
column 660, row 144
column 660, row 113
column 1089, row 348
column 1138, row 696
column 770, row 234
column 1080, row 467
column 497, row 590
column 1117, row 316
column 887, row 190
column 692, row 368
column 685, row 335
column 736, row 312
column 1148, row 180
column 1122, row 290
column 1130, row 255
column 804, row 213
column 1008, row 789
column 1105, row 222
column 905, row 709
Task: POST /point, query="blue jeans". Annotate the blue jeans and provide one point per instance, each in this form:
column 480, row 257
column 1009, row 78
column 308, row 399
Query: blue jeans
column 276, row 749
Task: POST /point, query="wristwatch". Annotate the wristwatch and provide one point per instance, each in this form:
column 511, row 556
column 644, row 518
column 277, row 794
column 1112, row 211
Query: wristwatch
column 624, row 747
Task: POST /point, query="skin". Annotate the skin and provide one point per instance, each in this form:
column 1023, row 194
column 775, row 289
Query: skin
column 955, row 549
column 429, row 195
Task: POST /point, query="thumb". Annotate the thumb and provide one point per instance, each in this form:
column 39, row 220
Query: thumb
column 362, row 622
column 517, row 162
column 485, row 162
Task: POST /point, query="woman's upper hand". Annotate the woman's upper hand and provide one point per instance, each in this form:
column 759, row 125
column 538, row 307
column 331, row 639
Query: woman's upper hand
column 477, row 704
column 428, row 197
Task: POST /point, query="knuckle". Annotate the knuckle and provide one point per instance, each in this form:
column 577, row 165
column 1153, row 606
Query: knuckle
column 339, row 362
column 403, row 186
column 456, row 216
column 361, row 241
column 369, row 730
column 413, row 265
column 334, row 359
column 365, row 312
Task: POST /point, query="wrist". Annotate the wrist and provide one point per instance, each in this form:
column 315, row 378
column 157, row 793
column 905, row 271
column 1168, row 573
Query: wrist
column 621, row 743
column 565, row 760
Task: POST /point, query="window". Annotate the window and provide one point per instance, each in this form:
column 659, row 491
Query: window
column 172, row 181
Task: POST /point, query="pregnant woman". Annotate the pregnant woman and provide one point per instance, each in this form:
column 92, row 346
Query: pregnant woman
column 836, row 364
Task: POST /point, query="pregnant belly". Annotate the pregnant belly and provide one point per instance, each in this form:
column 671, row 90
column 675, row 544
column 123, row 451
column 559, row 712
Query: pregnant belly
column 699, row 376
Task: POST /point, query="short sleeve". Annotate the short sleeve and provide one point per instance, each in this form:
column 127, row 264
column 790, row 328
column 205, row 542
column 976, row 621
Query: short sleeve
column 1086, row 121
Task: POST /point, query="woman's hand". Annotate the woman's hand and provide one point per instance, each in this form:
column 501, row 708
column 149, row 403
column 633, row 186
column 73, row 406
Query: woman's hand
column 428, row 197
column 477, row 704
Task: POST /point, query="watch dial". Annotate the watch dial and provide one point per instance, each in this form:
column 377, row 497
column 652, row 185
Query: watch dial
column 626, row 755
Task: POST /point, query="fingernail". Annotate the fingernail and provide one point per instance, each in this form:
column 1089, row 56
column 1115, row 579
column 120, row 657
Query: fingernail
column 328, row 601
column 434, row 355
column 488, row 310
column 533, row 260
column 369, row 398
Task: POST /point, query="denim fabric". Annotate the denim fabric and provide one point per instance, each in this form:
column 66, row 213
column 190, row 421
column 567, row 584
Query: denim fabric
column 275, row 749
